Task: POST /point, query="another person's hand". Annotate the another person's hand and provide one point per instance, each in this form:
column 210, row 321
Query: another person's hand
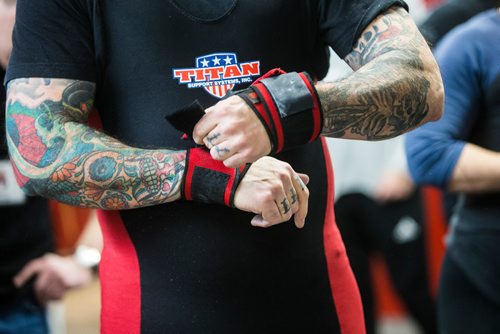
column 233, row 133
column 394, row 186
column 54, row 275
column 7, row 15
column 275, row 192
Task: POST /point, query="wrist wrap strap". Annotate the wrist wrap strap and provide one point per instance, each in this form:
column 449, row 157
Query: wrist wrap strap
column 209, row 181
column 288, row 106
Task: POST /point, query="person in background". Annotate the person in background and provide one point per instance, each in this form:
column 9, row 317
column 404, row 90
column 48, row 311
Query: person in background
column 449, row 14
column 31, row 274
column 461, row 153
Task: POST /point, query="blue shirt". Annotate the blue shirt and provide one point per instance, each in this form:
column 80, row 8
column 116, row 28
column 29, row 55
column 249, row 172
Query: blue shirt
column 469, row 59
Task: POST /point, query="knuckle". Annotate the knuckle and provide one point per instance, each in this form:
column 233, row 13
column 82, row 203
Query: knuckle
column 276, row 190
column 213, row 153
column 266, row 196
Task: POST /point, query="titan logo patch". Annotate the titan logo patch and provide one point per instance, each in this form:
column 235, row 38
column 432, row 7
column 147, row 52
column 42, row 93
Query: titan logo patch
column 217, row 73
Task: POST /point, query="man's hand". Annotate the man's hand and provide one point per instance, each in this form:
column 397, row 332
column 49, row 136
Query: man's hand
column 275, row 192
column 233, row 133
column 54, row 275
column 278, row 111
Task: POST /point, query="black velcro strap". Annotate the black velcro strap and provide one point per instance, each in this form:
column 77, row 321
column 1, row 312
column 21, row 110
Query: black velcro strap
column 209, row 181
column 186, row 118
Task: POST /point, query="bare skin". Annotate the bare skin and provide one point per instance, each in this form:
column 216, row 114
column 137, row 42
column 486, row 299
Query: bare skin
column 395, row 87
column 477, row 171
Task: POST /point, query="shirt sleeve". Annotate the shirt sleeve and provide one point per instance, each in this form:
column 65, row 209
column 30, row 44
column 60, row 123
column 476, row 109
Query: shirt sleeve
column 434, row 149
column 342, row 21
column 53, row 39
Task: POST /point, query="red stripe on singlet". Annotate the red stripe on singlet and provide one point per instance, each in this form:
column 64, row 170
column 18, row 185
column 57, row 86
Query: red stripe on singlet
column 120, row 278
column 345, row 291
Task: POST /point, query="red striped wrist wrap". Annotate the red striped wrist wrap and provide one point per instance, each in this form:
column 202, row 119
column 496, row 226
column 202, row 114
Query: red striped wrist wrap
column 209, row 181
column 288, row 106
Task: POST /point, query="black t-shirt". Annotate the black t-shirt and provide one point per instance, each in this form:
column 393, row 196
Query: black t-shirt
column 187, row 266
column 25, row 231
column 450, row 14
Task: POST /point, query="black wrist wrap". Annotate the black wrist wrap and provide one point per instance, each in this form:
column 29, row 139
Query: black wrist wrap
column 288, row 106
column 209, row 181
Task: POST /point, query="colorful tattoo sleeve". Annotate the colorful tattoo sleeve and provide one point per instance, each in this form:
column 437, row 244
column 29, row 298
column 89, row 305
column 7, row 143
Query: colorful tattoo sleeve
column 56, row 155
column 396, row 85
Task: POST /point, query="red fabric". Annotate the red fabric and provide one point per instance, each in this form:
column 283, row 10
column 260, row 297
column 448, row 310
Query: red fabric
column 342, row 282
column 435, row 232
column 262, row 111
column 120, row 278
column 189, row 176
column 200, row 157
column 271, row 73
column 268, row 99
column 316, row 111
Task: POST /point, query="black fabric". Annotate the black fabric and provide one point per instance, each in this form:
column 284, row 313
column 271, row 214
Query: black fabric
column 221, row 275
column 342, row 22
column 186, row 118
column 485, row 133
column 450, row 14
column 25, row 232
column 463, row 307
column 209, row 185
column 52, row 53
column 205, row 10
column 368, row 230
column 79, row 54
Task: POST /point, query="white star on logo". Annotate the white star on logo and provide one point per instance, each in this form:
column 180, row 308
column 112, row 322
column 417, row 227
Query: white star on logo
column 228, row 60
column 204, row 62
column 216, row 60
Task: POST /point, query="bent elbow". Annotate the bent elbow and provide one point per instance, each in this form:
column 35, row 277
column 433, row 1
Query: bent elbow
column 436, row 95
column 26, row 184
column 437, row 107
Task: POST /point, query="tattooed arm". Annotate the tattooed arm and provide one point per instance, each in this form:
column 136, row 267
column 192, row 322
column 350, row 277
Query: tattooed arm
column 57, row 156
column 396, row 85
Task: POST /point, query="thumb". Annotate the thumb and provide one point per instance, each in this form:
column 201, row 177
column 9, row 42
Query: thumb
column 30, row 269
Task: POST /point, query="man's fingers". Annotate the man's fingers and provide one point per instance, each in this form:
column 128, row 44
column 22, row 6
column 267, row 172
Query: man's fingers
column 304, row 178
column 302, row 194
column 30, row 269
column 213, row 138
column 235, row 160
column 204, row 126
column 221, row 151
column 270, row 216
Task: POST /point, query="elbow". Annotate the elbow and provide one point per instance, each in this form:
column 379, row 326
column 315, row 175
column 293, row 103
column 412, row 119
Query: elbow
column 436, row 106
column 426, row 161
column 436, row 93
column 29, row 186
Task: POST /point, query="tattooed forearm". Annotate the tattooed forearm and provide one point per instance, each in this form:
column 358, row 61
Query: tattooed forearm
column 396, row 85
column 57, row 156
